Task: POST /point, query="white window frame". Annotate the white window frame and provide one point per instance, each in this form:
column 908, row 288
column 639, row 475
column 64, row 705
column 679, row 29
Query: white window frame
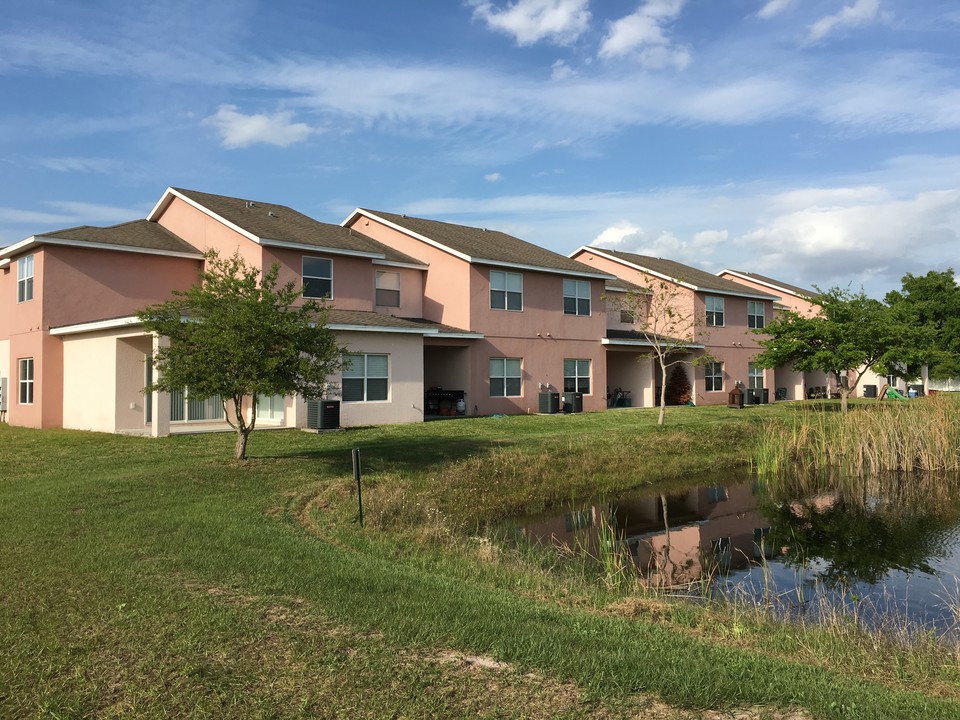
column 756, row 319
column 754, row 376
column 25, row 279
column 385, row 294
column 362, row 367
column 271, row 407
column 506, row 371
column 579, row 379
column 713, row 377
column 328, row 278
column 714, row 306
column 25, row 382
column 578, row 292
column 504, row 287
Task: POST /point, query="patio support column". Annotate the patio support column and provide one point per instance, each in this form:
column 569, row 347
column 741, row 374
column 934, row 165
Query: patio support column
column 160, row 426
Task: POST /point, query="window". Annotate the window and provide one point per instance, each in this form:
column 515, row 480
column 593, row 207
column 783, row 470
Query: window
column 317, row 278
column 754, row 376
column 627, row 317
column 185, row 408
column 388, row 289
column 505, row 377
column 365, row 378
column 755, row 314
column 576, row 297
column 714, row 311
column 713, row 377
column 25, row 279
column 506, row 290
column 576, row 376
column 25, row 381
column 270, row 407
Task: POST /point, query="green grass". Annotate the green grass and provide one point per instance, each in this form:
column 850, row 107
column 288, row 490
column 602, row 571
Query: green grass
column 158, row 578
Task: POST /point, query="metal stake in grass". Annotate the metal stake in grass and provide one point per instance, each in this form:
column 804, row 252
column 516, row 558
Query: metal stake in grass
column 355, row 453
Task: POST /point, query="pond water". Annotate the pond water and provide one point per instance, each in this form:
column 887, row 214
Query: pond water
column 805, row 557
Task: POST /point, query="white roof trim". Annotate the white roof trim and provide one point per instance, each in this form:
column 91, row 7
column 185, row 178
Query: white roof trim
column 171, row 193
column 111, row 324
column 400, row 264
column 120, row 248
column 690, row 286
column 342, row 327
column 4, row 262
column 647, row 343
column 319, row 248
column 459, row 335
column 778, row 288
column 540, row 268
column 360, row 212
column 11, row 250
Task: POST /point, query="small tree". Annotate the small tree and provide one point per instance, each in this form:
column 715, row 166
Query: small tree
column 666, row 317
column 678, row 387
column 852, row 332
column 238, row 335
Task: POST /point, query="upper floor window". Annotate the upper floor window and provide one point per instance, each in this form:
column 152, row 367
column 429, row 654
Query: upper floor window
column 713, row 377
column 627, row 317
column 505, row 377
column 25, row 381
column 317, row 277
column 25, row 278
column 576, row 297
column 365, row 378
column 755, row 314
column 388, row 289
column 576, row 376
column 506, row 290
column 714, row 311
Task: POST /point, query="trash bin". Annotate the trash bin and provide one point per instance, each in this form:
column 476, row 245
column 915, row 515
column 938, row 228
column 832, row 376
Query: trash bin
column 573, row 402
column 765, row 395
column 735, row 397
column 752, row 396
column 549, row 402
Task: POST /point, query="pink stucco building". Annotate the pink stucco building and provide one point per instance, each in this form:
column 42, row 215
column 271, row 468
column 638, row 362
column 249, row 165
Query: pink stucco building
column 438, row 319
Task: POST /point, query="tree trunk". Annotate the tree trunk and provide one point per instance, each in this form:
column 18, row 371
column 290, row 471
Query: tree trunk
column 663, row 393
column 241, row 449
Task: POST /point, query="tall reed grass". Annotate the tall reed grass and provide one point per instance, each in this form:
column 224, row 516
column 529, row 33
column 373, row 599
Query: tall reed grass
column 883, row 442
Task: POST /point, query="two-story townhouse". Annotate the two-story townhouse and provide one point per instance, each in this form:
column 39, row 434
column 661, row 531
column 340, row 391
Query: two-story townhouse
column 793, row 384
column 74, row 355
column 541, row 314
column 724, row 315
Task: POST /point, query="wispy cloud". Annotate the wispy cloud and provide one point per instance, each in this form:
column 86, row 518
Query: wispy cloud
column 493, row 177
column 861, row 12
column 530, row 21
column 238, row 130
column 641, row 35
column 79, row 164
column 773, row 8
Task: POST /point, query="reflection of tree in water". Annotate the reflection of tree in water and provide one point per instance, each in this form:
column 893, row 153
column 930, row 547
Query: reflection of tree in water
column 856, row 541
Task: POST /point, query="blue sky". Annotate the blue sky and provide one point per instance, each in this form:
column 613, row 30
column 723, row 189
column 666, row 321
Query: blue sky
column 817, row 141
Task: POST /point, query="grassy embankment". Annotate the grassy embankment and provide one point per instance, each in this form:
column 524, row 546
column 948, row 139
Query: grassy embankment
column 157, row 578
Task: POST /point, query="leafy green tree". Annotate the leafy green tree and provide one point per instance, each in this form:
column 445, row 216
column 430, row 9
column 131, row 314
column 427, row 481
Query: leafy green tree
column 238, row 335
column 934, row 300
column 852, row 332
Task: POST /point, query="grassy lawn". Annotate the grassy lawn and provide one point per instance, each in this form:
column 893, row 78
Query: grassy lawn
column 158, row 578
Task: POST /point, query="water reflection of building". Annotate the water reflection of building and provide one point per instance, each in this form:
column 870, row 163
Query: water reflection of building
column 675, row 538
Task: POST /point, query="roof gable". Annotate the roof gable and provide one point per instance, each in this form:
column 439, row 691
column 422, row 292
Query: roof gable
column 482, row 246
column 776, row 285
column 690, row 277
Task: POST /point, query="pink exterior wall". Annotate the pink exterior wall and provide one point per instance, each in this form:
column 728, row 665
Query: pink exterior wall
column 447, row 284
column 353, row 279
column 205, row 232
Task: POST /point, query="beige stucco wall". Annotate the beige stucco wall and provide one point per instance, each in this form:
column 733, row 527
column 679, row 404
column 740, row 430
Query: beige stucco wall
column 405, row 367
column 89, row 387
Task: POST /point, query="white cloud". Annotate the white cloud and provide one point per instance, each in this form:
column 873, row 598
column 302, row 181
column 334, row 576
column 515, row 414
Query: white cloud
column 238, row 130
column 561, row 71
column 773, row 8
column 493, row 177
column 641, row 35
column 615, row 235
column 79, row 164
column 861, row 12
column 530, row 21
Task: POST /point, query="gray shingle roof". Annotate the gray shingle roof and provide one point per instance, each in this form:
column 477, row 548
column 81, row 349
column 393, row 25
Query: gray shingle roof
column 488, row 246
column 699, row 279
column 778, row 284
column 141, row 234
column 367, row 318
column 268, row 221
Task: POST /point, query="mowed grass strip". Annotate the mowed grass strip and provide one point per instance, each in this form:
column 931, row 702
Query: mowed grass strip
column 158, row 578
